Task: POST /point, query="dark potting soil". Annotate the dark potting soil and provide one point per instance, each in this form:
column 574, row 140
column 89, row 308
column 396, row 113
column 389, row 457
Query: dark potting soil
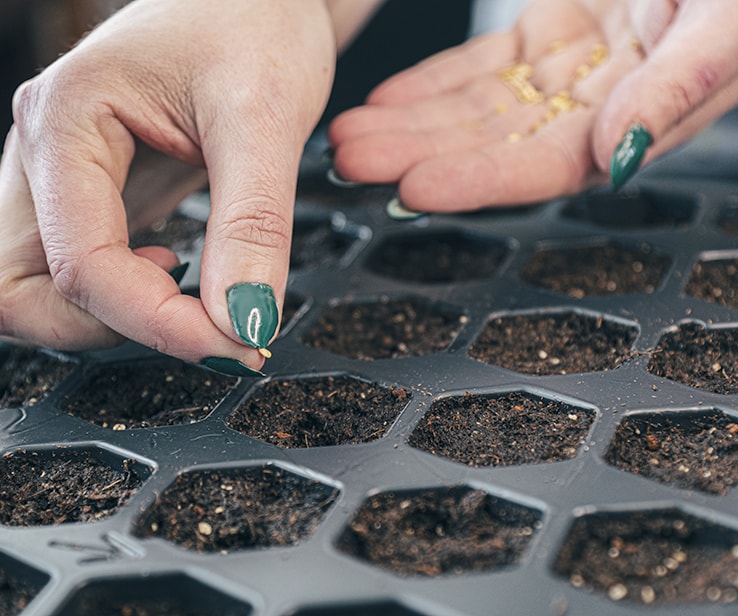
column 699, row 357
column 178, row 233
column 438, row 257
column 695, row 451
column 61, row 486
column 316, row 244
column 543, row 344
column 502, row 430
column 27, row 375
column 139, row 395
column 652, row 557
column 15, row 594
column 715, row 281
column 102, row 605
column 436, row 532
column 384, row 329
column 611, row 269
column 319, row 412
column 236, row 509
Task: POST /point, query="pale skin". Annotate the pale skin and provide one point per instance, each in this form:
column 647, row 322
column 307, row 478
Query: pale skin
column 237, row 92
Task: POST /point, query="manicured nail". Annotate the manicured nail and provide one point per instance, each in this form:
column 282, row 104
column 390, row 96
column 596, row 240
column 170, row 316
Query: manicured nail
column 628, row 154
column 179, row 271
column 328, row 155
column 396, row 210
column 254, row 312
column 231, row 367
column 337, row 180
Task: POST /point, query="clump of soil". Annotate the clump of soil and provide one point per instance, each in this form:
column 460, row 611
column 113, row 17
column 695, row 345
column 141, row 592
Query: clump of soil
column 225, row 510
column 316, row 244
column 124, row 396
column 715, row 281
column 610, row 269
column 438, row 257
column 502, row 430
column 543, row 344
column 319, row 412
column 652, row 557
column 179, row 233
column 698, row 357
column 63, row 485
column 15, row 592
column 439, row 531
column 695, row 451
column 385, row 329
column 27, row 375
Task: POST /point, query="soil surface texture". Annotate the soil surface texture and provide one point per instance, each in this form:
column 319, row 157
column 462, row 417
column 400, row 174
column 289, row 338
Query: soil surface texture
column 317, row 245
column 27, row 375
column 715, row 281
column 15, row 594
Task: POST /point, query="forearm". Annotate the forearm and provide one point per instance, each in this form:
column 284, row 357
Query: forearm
column 349, row 17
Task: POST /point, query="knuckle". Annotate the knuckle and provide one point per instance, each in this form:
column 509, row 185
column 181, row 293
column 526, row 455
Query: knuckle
column 259, row 222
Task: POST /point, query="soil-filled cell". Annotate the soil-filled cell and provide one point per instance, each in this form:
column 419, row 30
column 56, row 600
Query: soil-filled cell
column 651, row 557
column 554, row 343
column 696, row 451
column 632, row 210
column 502, row 429
column 318, row 412
column 699, row 357
column 19, row 584
column 236, row 509
column 158, row 595
column 601, row 270
column 715, row 281
column 445, row 531
column 140, row 395
column 439, row 257
column 179, row 233
column 59, row 486
column 27, row 376
column 385, row 329
column 318, row 244
column 365, row 609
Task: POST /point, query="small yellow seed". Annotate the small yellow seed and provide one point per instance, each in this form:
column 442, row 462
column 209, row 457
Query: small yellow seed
column 582, row 71
column 514, row 137
column 556, row 46
column 599, row 54
column 265, row 353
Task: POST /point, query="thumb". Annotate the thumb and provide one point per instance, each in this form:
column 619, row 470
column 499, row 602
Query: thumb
column 687, row 67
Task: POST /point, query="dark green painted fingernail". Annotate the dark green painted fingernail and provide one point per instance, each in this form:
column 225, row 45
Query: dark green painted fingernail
column 628, row 154
column 254, row 312
column 231, row 367
column 396, row 210
column 178, row 272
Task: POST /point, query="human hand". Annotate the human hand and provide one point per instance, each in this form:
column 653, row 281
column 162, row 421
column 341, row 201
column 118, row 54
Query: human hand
column 236, row 90
column 457, row 132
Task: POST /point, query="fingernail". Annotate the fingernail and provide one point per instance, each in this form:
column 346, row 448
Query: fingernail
column 337, row 180
column 396, row 210
column 628, row 154
column 328, row 155
column 254, row 312
column 179, row 271
column 231, row 367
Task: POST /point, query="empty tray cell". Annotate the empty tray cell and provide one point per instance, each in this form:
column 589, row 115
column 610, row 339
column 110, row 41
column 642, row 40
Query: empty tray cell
column 319, row 243
column 554, row 342
column 438, row 257
column 222, row 510
column 715, row 280
column 142, row 394
column 637, row 210
column 27, row 375
column 728, row 216
column 439, row 531
column 661, row 556
column 173, row 594
column 179, row 233
column 58, row 486
column 19, row 584
column 384, row 608
column 698, row 356
column 502, row 429
column 388, row 328
column 316, row 412
column 691, row 450
column 608, row 269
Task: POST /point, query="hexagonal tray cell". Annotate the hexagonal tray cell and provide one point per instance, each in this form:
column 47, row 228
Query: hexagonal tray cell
column 698, row 356
column 19, row 584
column 63, row 485
column 319, row 243
column 632, row 210
column 554, row 342
column 28, row 375
column 179, row 233
column 139, row 395
column 317, row 412
column 502, row 429
column 172, row 594
column 716, row 281
column 384, row 608
column 221, row 510
column 607, row 269
column 691, row 450
column 387, row 328
column 439, row 531
column 438, row 257
column 661, row 556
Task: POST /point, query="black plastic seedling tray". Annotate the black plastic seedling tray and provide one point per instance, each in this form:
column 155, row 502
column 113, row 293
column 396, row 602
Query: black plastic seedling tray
column 515, row 412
